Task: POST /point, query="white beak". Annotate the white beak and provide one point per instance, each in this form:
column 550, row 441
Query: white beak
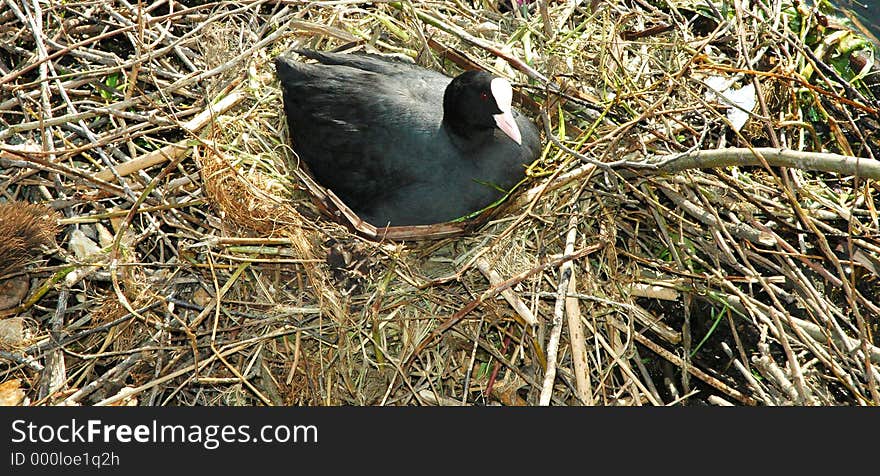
column 503, row 95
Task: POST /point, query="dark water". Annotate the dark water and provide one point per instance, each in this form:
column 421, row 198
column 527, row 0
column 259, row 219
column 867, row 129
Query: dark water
column 865, row 14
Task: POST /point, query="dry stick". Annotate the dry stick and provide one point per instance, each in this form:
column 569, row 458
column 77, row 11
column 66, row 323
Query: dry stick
column 792, row 251
column 65, row 119
column 739, row 230
column 716, row 400
column 853, row 296
column 826, row 162
column 749, row 306
column 35, row 19
column 742, row 361
column 640, row 314
column 750, row 379
column 297, row 350
column 653, row 291
column 433, row 399
column 771, row 371
column 649, row 382
column 215, row 301
column 12, row 103
column 241, row 378
column 712, row 381
column 672, row 81
column 399, row 371
column 515, row 302
column 122, row 105
column 25, row 360
column 565, row 272
column 545, row 16
column 843, row 341
column 552, row 184
column 472, row 360
column 480, row 43
column 45, row 66
column 676, row 253
column 491, row 292
column 173, row 151
column 50, row 344
column 115, row 252
column 165, row 34
column 29, row 158
column 215, row 324
column 809, row 293
column 496, row 354
column 55, row 373
column 840, row 344
column 95, row 39
column 784, row 341
column 782, row 336
column 744, row 51
column 548, row 132
column 114, row 373
column 96, row 217
column 88, row 134
column 128, row 392
column 619, row 359
column 577, row 340
column 819, row 238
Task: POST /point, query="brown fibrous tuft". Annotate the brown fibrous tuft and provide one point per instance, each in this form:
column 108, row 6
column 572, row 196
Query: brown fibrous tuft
column 24, row 228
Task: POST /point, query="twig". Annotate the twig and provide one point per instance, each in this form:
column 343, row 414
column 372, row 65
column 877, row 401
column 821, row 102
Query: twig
column 25, row 360
column 743, row 157
column 577, row 340
column 515, row 302
column 739, row 230
column 55, row 374
column 565, row 275
column 676, row 360
column 114, row 373
column 224, row 352
column 491, row 292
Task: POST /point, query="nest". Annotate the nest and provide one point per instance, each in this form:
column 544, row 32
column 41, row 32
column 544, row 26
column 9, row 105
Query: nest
column 660, row 251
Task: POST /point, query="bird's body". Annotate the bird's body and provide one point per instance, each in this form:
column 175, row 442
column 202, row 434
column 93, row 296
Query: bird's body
column 376, row 132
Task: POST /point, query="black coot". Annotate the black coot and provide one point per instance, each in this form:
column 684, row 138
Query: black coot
column 401, row 144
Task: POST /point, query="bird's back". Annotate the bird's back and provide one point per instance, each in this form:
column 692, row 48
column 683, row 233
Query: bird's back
column 370, row 130
column 351, row 120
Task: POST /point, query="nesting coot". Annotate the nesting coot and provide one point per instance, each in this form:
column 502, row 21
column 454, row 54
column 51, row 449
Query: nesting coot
column 401, row 144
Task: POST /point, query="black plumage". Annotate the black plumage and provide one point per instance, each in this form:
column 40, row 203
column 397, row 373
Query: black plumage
column 398, row 146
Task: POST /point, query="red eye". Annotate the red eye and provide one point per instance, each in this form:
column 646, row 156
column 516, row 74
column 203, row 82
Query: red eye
column 484, row 95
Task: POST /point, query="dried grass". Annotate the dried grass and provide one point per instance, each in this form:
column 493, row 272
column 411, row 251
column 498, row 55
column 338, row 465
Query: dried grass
column 695, row 264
